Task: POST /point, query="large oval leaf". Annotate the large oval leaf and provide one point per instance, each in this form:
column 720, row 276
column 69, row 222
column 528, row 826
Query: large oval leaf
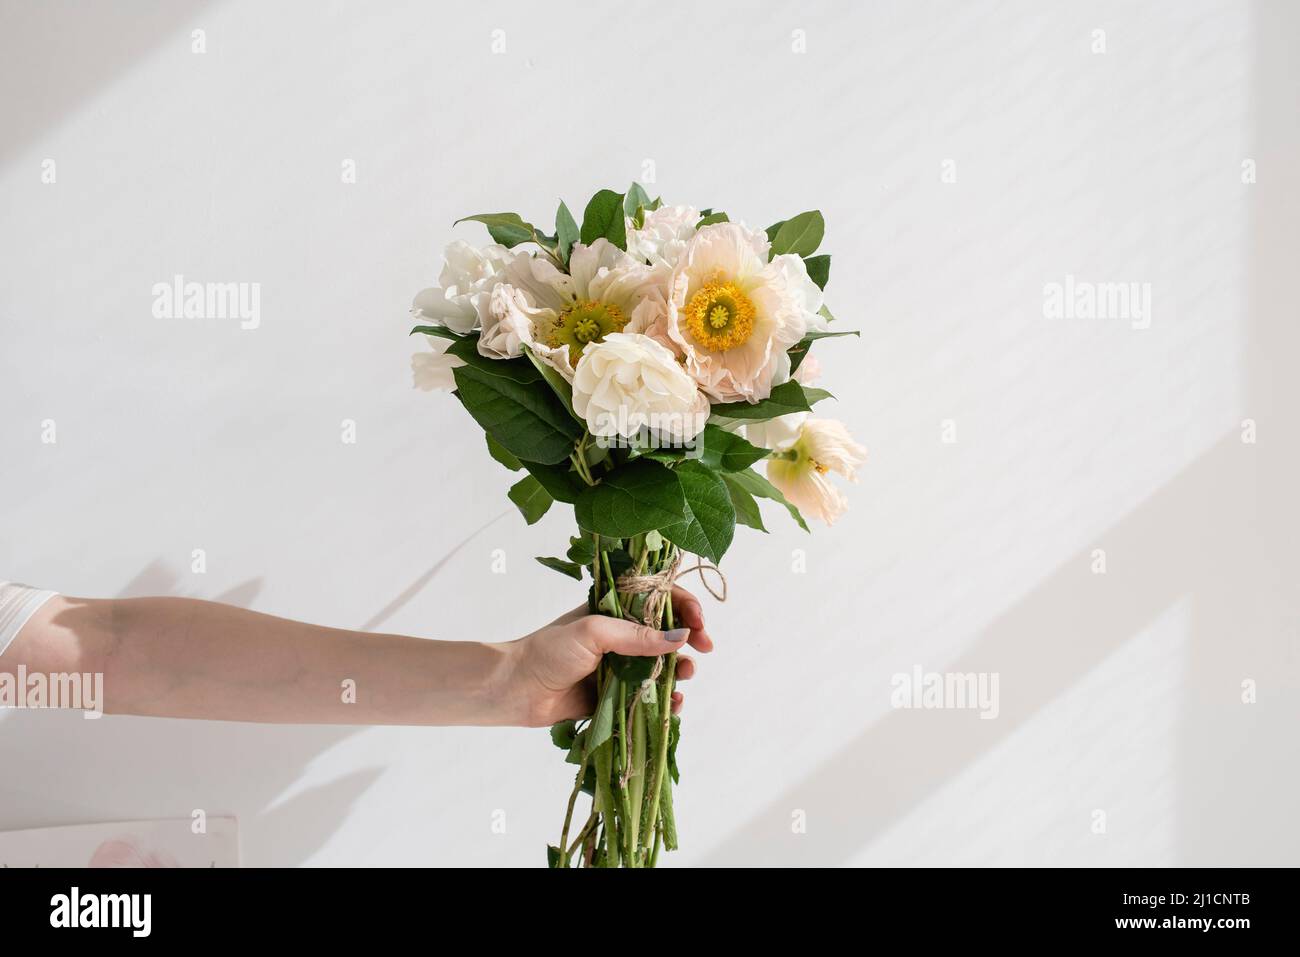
column 603, row 218
column 525, row 417
column 800, row 235
column 638, row 497
column 712, row 523
column 786, row 398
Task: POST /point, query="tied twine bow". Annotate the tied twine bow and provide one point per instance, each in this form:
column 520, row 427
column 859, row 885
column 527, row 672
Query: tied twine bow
column 657, row 589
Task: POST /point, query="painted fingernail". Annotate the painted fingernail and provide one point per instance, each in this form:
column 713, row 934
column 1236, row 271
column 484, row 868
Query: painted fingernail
column 676, row 635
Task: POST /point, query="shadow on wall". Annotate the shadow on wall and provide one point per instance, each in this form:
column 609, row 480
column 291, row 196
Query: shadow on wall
column 1222, row 532
column 63, row 769
column 1173, row 547
column 60, row 768
column 97, row 38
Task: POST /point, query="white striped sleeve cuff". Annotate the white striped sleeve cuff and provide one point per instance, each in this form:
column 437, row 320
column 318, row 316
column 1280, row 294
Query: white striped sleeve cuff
column 17, row 604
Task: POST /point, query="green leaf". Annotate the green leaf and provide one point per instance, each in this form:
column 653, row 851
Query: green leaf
column 747, row 511
column 799, row 236
column 819, row 269
column 815, row 395
column 566, row 232
column 635, row 498
column 786, row 398
column 518, row 369
column 674, row 736
column 602, row 722
column 508, row 229
column 560, row 480
column 712, row 218
column 576, row 748
column 512, row 402
column 825, row 313
column 774, row 229
column 582, row 550
column 758, row 486
column 572, row 569
column 530, row 498
column 603, row 217
column 827, row 334
column 442, row 332
column 715, row 447
column 632, row 669
column 552, row 856
column 559, row 385
column 800, row 349
column 635, row 198
column 728, row 451
column 501, row 454
column 712, row 523
column 563, row 734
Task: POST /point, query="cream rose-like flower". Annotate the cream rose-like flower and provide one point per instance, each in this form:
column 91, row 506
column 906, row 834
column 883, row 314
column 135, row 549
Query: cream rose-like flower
column 801, row 470
column 732, row 314
column 663, row 234
column 432, row 370
column 557, row 315
column 629, row 382
column 466, row 282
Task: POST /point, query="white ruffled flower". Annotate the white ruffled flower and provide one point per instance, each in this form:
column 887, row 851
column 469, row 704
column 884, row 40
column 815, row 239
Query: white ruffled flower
column 558, row 315
column 466, row 281
column 432, row 370
column 663, row 234
column 630, row 381
column 733, row 315
column 800, row 471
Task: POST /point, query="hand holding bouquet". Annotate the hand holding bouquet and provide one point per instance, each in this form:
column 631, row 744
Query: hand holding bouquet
column 637, row 368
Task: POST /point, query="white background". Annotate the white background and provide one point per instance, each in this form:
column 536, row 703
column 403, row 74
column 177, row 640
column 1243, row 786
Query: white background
column 1120, row 693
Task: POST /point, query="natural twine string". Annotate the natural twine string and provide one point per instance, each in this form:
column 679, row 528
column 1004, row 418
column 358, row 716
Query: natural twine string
column 658, row 588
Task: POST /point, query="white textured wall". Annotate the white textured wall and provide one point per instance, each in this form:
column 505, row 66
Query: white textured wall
column 1118, row 692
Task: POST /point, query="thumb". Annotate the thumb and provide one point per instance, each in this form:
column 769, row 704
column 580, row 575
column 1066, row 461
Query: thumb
column 629, row 637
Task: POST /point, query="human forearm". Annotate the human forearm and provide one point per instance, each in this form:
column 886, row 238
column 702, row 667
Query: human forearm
column 180, row 657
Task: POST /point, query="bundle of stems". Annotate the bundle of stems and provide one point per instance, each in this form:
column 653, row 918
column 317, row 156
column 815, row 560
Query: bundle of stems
column 626, row 746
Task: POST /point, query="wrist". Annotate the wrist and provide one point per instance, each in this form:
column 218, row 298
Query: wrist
column 504, row 703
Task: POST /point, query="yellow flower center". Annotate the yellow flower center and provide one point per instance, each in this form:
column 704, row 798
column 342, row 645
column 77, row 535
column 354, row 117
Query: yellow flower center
column 583, row 322
column 720, row 316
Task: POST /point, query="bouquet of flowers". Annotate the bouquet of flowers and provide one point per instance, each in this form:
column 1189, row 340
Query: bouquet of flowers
column 637, row 367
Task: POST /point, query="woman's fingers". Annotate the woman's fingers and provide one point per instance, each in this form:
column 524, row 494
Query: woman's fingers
column 600, row 634
column 678, row 699
column 687, row 612
column 685, row 668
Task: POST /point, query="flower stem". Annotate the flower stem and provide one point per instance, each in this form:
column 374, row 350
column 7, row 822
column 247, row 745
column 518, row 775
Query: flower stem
column 665, row 729
column 618, row 606
column 568, row 814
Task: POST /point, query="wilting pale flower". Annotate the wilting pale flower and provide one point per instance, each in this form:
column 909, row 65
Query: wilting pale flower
column 466, row 281
column 777, row 434
column 733, row 315
column 432, row 370
column 663, row 234
column 801, row 471
column 558, row 315
column 630, row 381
